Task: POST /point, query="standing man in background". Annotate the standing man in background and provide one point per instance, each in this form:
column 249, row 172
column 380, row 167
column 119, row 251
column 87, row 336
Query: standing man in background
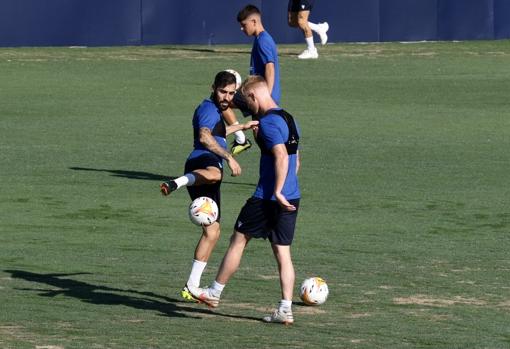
column 263, row 62
column 299, row 11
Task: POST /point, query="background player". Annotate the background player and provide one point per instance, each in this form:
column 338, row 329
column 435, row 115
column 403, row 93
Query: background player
column 263, row 62
column 298, row 13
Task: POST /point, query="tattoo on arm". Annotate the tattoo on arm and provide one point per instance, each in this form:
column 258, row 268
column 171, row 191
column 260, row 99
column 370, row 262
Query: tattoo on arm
column 208, row 141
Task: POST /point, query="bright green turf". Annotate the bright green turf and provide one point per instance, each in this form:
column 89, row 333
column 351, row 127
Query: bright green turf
column 405, row 210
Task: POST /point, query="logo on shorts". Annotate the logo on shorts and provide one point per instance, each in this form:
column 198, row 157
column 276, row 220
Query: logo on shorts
column 239, row 223
column 220, row 165
column 303, row 7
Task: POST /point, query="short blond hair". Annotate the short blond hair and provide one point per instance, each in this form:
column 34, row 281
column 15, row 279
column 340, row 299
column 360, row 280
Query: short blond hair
column 251, row 82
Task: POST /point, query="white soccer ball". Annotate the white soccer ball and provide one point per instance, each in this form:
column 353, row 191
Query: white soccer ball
column 239, row 80
column 203, row 211
column 314, row 291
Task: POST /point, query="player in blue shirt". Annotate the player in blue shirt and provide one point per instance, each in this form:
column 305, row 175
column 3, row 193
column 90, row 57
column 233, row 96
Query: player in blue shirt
column 263, row 62
column 264, row 54
column 203, row 171
column 272, row 210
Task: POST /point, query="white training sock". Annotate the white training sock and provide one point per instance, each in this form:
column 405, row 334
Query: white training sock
column 285, row 305
column 240, row 137
column 188, row 179
column 216, row 288
column 310, row 44
column 197, row 268
column 315, row 27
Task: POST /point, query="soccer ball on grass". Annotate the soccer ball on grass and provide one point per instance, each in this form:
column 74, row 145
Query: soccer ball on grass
column 314, row 291
column 203, row 211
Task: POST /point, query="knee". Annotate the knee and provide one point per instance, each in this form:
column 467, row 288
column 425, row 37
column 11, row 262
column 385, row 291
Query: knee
column 215, row 176
column 212, row 233
column 302, row 23
column 212, row 175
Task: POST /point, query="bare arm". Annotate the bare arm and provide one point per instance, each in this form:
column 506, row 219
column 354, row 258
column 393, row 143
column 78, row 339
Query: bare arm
column 281, row 162
column 229, row 116
column 235, row 128
column 298, row 161
column 208, row 141
column 269, row 75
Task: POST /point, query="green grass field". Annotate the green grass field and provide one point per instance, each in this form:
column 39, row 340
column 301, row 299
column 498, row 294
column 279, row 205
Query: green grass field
column 405, row 209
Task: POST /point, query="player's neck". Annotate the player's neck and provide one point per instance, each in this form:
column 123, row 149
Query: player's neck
column 260, row 29
column 264, row 108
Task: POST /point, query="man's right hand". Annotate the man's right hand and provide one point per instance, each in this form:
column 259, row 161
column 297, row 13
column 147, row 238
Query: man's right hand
column 234, row 166
column 284, row 203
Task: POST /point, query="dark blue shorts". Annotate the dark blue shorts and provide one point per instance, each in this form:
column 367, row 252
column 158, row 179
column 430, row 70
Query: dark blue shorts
column 267, row 220
column 210, row 190
column 300, row 5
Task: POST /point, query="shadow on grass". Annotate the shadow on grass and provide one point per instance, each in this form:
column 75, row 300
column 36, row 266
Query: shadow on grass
column 221, row 50
column 141, row 175
column 127, row 174
column 210, row 49
column 104, row 295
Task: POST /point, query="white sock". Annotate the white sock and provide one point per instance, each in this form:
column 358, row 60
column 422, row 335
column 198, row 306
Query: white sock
column 216, row 288
column 315, row 27
column 310, row 44
column 188, row 179
column 240, row 137
column 285, row 305
column 197, row 268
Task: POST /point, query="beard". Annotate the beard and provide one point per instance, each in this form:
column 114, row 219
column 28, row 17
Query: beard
column 224, row 105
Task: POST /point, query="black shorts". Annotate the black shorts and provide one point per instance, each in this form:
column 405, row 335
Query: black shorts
column 266, row 219
column 300, row 5
column 210, row 190
column 240, row 103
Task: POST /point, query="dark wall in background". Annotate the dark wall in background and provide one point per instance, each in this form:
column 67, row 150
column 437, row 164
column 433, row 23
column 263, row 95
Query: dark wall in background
column 146, row 22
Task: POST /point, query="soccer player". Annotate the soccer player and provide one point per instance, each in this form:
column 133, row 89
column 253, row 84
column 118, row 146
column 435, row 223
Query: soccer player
column 298, row 13
column 263, row 62
column 203, row 171
column 272, row 210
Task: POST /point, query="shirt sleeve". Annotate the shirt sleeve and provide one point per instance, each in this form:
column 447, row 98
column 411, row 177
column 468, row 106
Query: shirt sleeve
column 274, row 131
column 266, row 52
column 206, row 117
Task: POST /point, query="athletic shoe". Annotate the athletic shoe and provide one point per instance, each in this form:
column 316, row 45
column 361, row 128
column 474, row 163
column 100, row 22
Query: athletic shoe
column 167, row 187
column 239, row 148
column 280, row 317
column 323, row 33
column 309, row 54
column 204, row 295
column 186, row 294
